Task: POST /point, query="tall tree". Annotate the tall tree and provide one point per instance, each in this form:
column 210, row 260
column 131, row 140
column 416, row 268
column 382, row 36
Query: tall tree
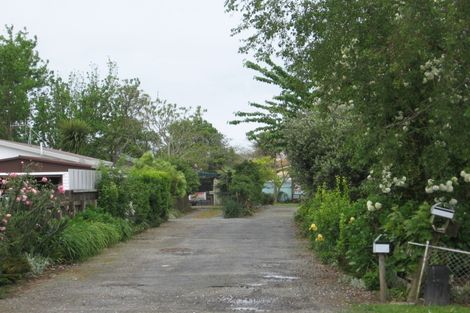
column 22, row 75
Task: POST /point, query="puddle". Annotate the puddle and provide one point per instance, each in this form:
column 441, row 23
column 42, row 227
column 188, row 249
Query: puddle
column 248, row 309
column 246, row 304
column 273, row 276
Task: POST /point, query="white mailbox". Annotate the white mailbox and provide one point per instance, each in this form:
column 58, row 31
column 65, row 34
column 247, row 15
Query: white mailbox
column 439, row 210
column 380, row 245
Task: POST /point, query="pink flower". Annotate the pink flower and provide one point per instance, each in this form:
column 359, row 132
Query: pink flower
column 3, row 181
column 34, row 191
column 18, row 199
column 44, row 179
column 28, row 203
column 3, row 228
column 24, row 197
column 13, row 175
column 61, row 189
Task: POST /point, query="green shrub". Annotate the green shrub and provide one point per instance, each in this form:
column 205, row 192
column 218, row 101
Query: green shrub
column 30, row 215
column 243, row 185
column 233, row 209
column 123, row 226
column 331, row 204
column 82, row 239
column 267, row 199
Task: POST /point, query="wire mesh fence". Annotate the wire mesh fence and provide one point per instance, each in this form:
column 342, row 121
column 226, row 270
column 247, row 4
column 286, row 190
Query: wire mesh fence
column 458, row 263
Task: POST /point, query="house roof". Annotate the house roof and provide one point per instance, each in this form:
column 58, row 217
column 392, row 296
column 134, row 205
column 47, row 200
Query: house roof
column 48, row 161
column 28, row 151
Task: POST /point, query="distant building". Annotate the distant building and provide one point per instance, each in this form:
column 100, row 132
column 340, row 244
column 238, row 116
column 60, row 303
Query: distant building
column 287, row 192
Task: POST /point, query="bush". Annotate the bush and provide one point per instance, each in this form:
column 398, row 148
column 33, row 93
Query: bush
column 123, row 226
column 82, row 239
column 233, row 209
column 30, row 215
column 242, row 185
column 267, row 199
column 143, row 194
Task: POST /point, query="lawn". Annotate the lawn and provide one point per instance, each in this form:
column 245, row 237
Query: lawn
column 404, row 308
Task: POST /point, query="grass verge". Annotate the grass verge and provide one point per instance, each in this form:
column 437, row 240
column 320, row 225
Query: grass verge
column 406, row 308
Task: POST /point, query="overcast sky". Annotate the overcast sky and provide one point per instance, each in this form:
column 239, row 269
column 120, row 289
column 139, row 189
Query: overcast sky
column 181, row 50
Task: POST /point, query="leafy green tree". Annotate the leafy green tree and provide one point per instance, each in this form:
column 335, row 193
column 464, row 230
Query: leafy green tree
column 197, row 141
column 22, row 75
column 74, row 135
column 294, row 98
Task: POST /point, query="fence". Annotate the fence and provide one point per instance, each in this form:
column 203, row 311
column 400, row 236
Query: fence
column 458, row 263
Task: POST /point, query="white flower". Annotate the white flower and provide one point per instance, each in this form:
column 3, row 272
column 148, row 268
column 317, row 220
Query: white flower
column 463, row 174
column 455, row 179
column 442, row 187
column 370, row 206
column 369, row 177
column 435, row 187
column 450, row 188
column 453, row 201
column 387, row 190
column 378, row 205
column 429, row 190
column 430, row 181
column 449, row 183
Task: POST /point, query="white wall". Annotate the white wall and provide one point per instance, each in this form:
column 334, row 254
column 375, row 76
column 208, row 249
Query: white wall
column 80, row 180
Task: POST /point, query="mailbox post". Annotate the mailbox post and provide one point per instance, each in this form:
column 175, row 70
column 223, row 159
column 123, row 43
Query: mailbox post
column 382, row 248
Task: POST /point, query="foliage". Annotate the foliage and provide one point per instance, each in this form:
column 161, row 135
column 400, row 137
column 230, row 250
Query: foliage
column 241, row 188
column 177, row 178
column 38, row 263
column 22, row 74
column 274, row 170
column 342, row 231
column 31, row 215
column 31, row 219
column 382, row 101
column 88, row 233
column 234, row 209
column 74, row 135
column 82, row 239
column 405, row 308
column 190, row 175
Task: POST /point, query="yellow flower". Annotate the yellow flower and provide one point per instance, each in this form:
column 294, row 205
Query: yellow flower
column 319, row 237
column 313, row 227
column 351, row 220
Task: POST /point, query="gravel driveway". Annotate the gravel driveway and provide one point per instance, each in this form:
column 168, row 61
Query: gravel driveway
column 198, row 263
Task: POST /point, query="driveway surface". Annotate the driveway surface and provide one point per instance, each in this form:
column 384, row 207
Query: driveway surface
column 198, row 263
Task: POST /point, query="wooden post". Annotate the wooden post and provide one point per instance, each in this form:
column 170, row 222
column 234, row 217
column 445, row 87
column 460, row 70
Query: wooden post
column 383, row 282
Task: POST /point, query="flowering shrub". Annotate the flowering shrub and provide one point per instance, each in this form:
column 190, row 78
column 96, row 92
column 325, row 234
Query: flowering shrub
column 31, row 214
column 342, row 231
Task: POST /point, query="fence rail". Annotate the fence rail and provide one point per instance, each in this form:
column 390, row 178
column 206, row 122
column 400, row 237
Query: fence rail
column 458, row 263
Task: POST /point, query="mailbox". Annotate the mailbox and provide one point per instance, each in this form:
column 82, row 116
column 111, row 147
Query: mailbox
column 439, row 210
column 380, row 245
